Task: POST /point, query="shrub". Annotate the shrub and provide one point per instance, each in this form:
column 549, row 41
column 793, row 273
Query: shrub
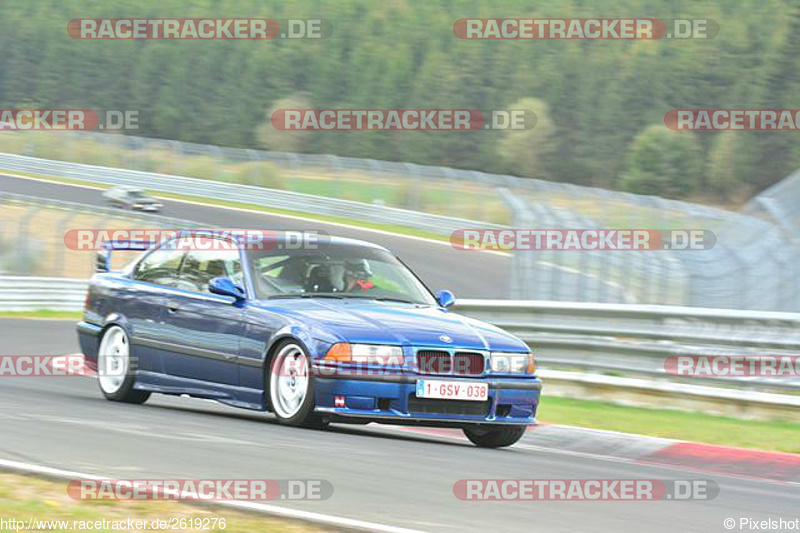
column 663, row 162
column 260, row 173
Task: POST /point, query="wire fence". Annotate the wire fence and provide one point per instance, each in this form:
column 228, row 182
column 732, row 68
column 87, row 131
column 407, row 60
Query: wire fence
column 33, row 235
column 754, row 264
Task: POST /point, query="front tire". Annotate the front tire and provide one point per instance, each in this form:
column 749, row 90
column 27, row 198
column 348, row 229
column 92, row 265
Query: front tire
column 495, row 436
column 291, row 387
column 116, row 370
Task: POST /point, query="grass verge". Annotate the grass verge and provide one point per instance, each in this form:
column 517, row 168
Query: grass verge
column 43, row 314
column 759, row 434
column 25, row 498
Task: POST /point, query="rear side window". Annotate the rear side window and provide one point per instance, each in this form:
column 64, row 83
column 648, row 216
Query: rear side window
column 160, row 267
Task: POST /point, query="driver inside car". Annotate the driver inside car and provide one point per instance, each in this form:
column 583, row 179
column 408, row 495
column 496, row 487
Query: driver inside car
column 357, row 276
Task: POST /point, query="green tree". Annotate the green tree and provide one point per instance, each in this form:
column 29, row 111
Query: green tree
column 781, row 91
column 278, row 140
column 401, row 54
column 724, row 166
column 663, row 162
column 522, row 150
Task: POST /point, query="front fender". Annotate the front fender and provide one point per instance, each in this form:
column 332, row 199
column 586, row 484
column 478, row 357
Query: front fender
column 316, row 348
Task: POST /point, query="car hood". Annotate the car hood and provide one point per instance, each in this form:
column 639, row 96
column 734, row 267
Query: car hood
column 360, row 321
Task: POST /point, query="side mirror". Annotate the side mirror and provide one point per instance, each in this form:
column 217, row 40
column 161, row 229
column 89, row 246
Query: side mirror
column 225, row 287
column 101, row 261
column 446, row 299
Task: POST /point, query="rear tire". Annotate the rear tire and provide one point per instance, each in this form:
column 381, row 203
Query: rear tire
column 291, row 387
column 494, row 436
column 116, row 369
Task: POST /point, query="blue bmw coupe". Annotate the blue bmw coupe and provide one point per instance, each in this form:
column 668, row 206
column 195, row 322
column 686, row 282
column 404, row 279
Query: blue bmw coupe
column 341, row 331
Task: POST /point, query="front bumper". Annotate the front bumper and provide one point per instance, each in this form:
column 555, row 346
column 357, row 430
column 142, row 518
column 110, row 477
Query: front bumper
column 392, row 398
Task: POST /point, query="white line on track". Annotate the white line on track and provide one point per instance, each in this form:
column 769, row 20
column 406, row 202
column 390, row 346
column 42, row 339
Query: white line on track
column 273, row 510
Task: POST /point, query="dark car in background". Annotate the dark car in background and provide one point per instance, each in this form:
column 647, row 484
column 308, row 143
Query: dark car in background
column 132, row 198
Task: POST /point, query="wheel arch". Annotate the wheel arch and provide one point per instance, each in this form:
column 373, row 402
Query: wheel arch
column 116, row 319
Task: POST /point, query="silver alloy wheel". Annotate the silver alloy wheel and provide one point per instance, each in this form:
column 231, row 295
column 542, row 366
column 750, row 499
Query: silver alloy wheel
column 113, row 360
column 288, row 384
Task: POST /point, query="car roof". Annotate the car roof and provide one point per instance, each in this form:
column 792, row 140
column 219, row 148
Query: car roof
column 355, row 242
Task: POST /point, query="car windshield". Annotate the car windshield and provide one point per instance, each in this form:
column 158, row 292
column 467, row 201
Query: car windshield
column 336, row 271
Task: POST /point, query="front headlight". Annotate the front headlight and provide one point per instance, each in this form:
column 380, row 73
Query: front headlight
column 379, row 354
column 512, row 363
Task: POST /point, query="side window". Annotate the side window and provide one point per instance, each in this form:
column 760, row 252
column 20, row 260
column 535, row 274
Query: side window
column 279, row 267
column 160, row 267
column 201, row 266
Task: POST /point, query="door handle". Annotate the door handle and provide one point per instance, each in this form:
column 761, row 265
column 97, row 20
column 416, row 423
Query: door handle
column 173, row 307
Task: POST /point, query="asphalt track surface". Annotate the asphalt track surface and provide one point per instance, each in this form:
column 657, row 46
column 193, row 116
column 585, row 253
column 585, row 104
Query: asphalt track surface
column 468, row 274
column 383, row 475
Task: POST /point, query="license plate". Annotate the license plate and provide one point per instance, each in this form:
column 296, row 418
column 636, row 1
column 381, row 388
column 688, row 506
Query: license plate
column 452, row 390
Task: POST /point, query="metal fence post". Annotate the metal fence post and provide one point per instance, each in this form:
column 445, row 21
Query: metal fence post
column 23, row 234
column 63, row 223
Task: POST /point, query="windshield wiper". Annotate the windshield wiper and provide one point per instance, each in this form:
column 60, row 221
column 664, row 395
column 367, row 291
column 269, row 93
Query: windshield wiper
column 342, row 296
column 377, row 298
column 306, row 295
column 397, row 300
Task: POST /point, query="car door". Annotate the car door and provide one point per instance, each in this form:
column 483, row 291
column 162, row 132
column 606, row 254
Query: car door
column 141, row 301
column 204, row 329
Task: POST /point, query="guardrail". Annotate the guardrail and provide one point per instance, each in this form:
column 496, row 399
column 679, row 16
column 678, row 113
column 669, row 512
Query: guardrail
column 20, row 293
column 637, row 339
